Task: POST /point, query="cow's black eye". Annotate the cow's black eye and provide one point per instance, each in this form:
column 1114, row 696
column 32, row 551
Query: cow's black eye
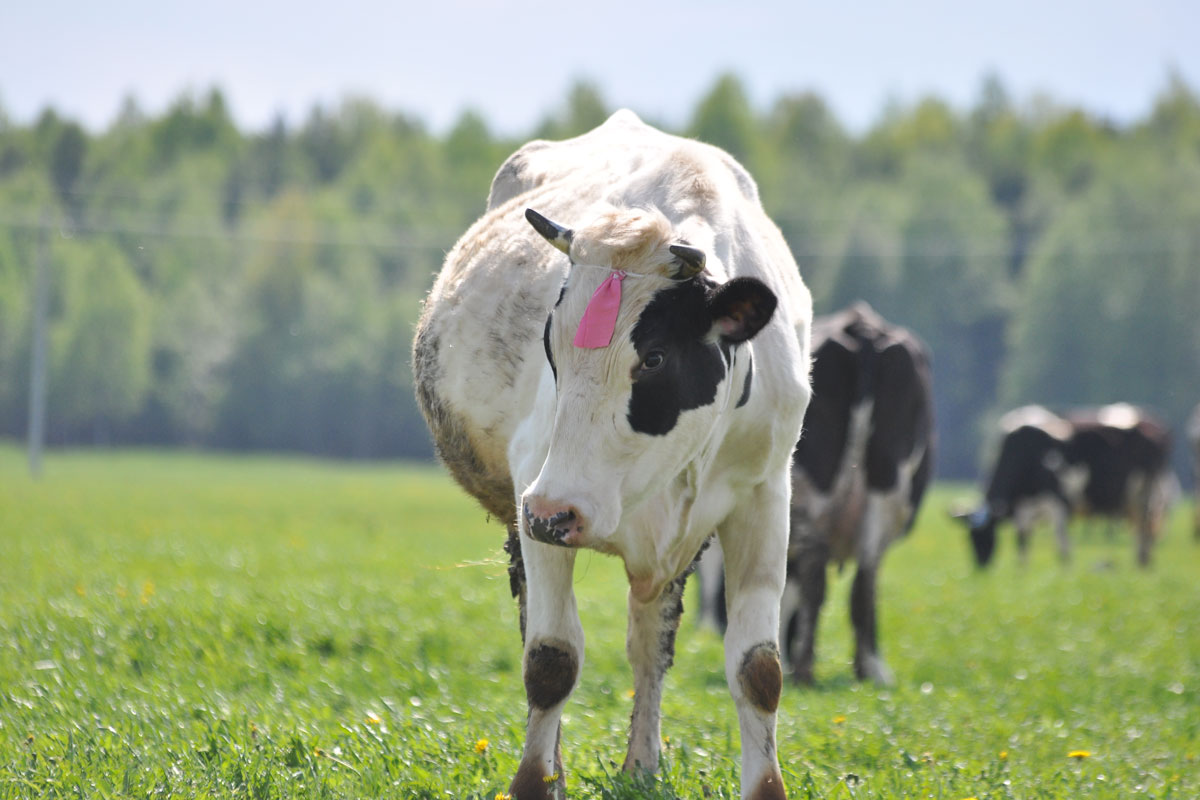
column 653, row 360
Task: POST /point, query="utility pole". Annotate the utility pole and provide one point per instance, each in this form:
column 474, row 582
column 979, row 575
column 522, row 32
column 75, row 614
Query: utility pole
column 37, row 367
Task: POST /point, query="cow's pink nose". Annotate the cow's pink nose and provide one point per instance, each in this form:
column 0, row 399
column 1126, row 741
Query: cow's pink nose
column 553, row 522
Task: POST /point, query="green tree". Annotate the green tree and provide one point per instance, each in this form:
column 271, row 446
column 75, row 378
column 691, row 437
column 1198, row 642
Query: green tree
column 66, row 162
column 724, row 118
column 954, row 292
column 585, row 109
column 15, row 299
column 100, row 341
column 1110, row 297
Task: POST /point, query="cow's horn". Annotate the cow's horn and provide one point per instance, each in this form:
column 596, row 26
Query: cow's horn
column 552, row 232
column 691, row 260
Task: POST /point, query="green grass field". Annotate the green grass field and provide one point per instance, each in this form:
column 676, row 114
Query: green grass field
column 181, row 625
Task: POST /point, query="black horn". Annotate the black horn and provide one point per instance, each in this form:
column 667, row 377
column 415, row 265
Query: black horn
column 552, row 232
column 691, row 260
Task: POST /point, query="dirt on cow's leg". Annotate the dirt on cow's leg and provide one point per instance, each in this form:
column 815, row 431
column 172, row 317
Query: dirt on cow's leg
column 650, row 646
column 516, row 571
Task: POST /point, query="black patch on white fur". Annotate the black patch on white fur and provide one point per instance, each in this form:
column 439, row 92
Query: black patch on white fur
column 546, row 344
column 745, row 398
column 676, row 321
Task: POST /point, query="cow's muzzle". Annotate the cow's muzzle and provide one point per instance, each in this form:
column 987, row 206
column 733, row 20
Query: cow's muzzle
column 552, row 523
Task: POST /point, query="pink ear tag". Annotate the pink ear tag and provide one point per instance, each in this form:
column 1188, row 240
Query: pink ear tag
column 600, row 316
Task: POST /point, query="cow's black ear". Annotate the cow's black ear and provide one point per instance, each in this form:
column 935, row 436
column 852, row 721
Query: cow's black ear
column 741, row 308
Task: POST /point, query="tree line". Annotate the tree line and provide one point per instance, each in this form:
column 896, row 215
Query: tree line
column 257, row 290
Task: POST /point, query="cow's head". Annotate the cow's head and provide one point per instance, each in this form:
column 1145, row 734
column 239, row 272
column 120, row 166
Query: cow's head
column 981, row 527
column 632, row 414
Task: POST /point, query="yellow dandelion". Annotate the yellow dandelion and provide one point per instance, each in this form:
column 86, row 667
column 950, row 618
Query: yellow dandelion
column 147, row 592
column 839, row 719
column 80, row 590
column 970, row 798
column 1003, row 755
column 1079, row 754
column 503, row 796
column 551, row 778
column 630, row 693
column 318, row 752
column 481, row 746
column 372, row 718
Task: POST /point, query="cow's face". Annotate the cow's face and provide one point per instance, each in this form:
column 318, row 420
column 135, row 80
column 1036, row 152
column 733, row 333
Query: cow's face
column 981, row 528
column 632, row 414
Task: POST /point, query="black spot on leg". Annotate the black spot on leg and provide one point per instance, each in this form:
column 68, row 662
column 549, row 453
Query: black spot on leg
column 550, row 672
column 761, row 676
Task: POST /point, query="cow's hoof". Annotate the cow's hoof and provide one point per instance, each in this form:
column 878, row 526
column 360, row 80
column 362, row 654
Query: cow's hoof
column 872, row 668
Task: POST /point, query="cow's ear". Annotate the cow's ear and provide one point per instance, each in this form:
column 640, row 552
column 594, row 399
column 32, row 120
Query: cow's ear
column 741, row 308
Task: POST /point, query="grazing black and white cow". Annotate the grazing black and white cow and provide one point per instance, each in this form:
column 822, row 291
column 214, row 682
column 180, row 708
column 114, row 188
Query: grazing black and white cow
column 1113, row 461
column 632, row 387
column 859, row 472
column 1193, row 437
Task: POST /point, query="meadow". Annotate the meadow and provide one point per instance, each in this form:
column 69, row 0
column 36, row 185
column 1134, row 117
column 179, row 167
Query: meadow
column 187, row 625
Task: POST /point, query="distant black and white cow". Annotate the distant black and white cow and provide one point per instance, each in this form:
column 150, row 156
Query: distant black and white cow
column 630, row 389
column 859, row 472
column 1113, row 461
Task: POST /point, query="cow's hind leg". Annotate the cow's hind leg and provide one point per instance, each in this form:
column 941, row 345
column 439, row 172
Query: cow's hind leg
column 553, row 659
column 868, row 663
column 650, row 645
column 804, row 594
column 878, row 522
column 1061, row 516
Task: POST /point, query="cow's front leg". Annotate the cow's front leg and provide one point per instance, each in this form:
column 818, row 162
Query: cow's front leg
column 754, row 539
column 553, row 659
column 1061, row 518
column 650, row 645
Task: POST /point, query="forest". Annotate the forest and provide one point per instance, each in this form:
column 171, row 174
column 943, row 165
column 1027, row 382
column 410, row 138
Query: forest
column 256, row 290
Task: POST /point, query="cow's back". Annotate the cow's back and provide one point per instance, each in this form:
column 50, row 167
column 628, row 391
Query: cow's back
column 1121, row 455
column 869, row 426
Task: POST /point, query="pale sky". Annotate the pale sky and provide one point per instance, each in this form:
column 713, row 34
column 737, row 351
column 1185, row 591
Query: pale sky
column 514, row 62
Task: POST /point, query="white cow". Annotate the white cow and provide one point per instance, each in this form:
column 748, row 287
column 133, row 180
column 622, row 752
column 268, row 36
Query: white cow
column 668, row 413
